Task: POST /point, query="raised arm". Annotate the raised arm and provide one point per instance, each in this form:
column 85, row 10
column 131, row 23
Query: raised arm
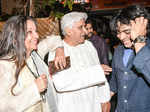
column 50, row 43
column 141, row 46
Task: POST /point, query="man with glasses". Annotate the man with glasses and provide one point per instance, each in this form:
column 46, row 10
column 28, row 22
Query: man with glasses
column 131, row 61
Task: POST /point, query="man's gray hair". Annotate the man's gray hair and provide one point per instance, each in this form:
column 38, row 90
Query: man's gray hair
column 69, row 19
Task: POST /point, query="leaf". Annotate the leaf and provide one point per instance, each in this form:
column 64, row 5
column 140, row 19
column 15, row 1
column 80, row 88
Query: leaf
column 41, row 4
column 59, row 14
column 65, row 3
column 70, row 3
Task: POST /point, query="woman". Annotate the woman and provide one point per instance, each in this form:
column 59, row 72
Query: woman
column 20, row 90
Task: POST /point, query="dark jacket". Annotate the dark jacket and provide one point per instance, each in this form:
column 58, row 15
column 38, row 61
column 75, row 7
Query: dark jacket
column 132, row 83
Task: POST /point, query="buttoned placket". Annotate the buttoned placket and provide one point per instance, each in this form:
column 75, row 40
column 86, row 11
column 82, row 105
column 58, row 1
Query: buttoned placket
column 124, row 86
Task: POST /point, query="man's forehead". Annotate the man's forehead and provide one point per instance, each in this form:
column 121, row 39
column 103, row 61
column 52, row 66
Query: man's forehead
column 122, row 26
column 81, row 22
column 88, row 25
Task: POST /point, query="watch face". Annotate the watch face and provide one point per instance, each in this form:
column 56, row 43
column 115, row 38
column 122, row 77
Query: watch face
column 140, row 39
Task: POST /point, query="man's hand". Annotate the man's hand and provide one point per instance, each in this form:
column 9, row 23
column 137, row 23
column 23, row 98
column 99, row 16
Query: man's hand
column 107, row 69
column 106, row 107
column 60, row 61
column 138, row 27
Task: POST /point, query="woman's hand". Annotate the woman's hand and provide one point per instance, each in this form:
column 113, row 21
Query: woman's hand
column 60, row 61
column 41, row 83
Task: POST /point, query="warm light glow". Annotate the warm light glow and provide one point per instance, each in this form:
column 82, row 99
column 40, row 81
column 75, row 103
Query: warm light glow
column 81, row 1
column 77, row 1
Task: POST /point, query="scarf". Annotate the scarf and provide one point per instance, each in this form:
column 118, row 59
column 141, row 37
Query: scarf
column 41, row 68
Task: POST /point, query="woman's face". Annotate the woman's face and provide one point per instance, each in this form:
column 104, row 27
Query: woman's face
column 32, row 37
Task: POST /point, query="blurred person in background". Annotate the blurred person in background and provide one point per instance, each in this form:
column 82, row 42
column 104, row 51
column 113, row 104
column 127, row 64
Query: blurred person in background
column 99, row 43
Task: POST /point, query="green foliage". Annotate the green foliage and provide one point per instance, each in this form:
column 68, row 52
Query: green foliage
column 41, row 5
column 56, row 14
column 68, row 3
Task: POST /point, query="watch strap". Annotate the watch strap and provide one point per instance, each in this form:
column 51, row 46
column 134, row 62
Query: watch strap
column 140, row 39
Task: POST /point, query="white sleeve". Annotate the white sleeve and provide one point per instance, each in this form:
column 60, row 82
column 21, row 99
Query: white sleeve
column 23, row 100
column 50, row 43
column 104, row 93
column 68, row 81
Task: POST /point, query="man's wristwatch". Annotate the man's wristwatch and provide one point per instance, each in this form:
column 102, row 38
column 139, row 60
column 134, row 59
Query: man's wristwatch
column 139, row 39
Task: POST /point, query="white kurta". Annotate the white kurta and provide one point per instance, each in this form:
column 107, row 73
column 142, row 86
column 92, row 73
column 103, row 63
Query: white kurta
column 77, row 86
column 28, row 97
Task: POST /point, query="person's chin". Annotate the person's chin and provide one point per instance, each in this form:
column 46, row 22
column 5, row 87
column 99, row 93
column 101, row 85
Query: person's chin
column 90, row 35
column 128, row 45
column 34, row 48
column 82, row 42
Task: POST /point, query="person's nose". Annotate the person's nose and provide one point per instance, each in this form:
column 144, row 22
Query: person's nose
column 91, row 30
column 120, row 36
column 36, row 35
column 85, row 30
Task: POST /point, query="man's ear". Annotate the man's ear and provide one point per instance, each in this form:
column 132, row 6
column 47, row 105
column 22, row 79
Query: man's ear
column 68, row 31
